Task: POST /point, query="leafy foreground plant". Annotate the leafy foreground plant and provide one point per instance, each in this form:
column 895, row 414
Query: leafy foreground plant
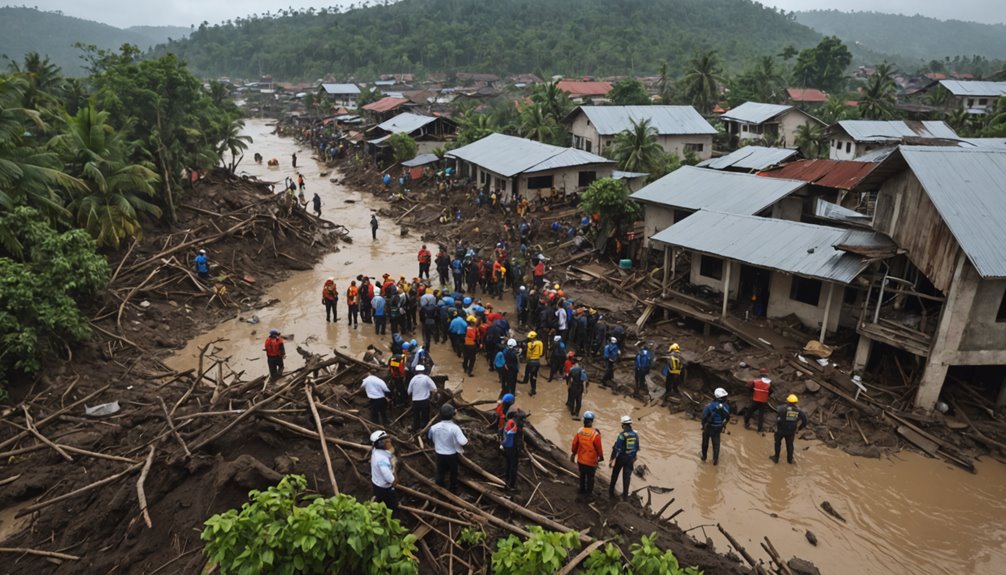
column 273, row 534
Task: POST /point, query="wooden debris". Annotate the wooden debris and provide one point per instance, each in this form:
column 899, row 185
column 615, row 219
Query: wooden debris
column 140, row 493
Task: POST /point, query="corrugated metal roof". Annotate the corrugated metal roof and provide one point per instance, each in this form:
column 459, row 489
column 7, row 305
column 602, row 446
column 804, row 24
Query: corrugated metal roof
column 509, row 156
column 989, row 143
column 665, row 120
column 877, row 156
column 974, row 88
column 895, row 130
column 420, row 160
column 406, row 123
column 750, row 158
column 792, row 247
column 754, row 112
column 340, row 89
column 576, row 89
column 830, row 211
column 968, row 189
column 838, row 174
column 620, row 175
column 694, row 188
column 385, row 104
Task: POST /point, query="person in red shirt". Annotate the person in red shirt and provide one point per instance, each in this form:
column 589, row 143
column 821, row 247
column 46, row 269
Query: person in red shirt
column 587, row 452
column 329, row 298
column 353, row 301
column 275, row 353
column 538, row 272
column 425, row 258
column 761, row 389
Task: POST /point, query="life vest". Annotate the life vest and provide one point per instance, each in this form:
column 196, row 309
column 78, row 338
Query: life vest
column 396, row 366
column 535, row 349
column 471, row 335
column 585, row 446
column 351, row 294
column 630, row 439
column 274, row 346
column 424, row 256
column 761, row 390
column 501, row 415
column 328, row 292
column 674, row 364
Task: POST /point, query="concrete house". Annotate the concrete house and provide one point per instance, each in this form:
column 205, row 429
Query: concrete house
column 516, row 166
column 429, row 132
column 850, row 139
column 846, row 184
column 679, row 129
column 767, row 122
column 974, row 96
column 342, row 94
column 944, row 299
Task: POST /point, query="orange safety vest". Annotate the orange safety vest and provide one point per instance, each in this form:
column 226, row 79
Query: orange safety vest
column 471, row 335
column 274, row 346
column 351, row 295
column 761, row 390
column 501, row 415
column 328, row 292
column 587, row 446
column 424, row 256
column 396, row 365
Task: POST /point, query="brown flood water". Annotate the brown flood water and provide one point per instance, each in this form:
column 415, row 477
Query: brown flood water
column 905, row 514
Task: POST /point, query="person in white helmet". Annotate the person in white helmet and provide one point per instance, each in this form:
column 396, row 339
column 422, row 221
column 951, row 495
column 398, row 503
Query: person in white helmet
column 610, row 354
column 421, row 387
column 382, row 469
column 202, row 265
column 714, row 419
column 623, row 457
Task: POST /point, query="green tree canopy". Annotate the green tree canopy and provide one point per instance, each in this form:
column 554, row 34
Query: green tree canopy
column 403, row 147
column 703, row 77
column 824, row 65
column 610, row 198
column 629, row 92
column 637, row 149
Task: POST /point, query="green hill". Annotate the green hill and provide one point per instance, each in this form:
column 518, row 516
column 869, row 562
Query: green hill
column 500, row 36
column 51, row 34
column 915, row 38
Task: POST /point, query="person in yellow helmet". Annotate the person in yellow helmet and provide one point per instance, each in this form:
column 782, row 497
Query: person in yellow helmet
column 535, row 349
column 674, row 371
column 790, row 420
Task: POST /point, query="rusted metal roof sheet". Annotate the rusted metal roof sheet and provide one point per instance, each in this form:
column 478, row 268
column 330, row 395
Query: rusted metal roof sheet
column 385, row 104
column 805, row 250
column 968, row 189
column 974, row 88
column 806, row 95
column 842, row 175
column 750, row 158
column 895, row 130
column 665, row 120
column 692, row 188
column 509, row 156
column 579, row 89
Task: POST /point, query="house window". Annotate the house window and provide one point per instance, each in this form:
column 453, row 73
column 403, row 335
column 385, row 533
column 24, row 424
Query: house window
column 695, row 148
column 1001, row 314
column 483, row 177
column 805, row 290
column 589, row 146
column 848, row 147
column 539, row 182
column 711, row 267
column 838, row 144
column 982, row 101
column 744, row 127
column 971, row 103
column 586, row 178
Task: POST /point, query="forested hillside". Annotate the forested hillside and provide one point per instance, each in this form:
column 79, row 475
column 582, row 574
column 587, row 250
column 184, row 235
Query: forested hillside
column 502, row 36
column 24, row 30
column 913, row 37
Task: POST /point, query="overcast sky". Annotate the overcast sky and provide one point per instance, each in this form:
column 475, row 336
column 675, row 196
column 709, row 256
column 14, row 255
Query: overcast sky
column 125, row 13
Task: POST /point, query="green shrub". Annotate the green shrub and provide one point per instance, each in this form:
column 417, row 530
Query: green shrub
column 273, row 534
column 648, row 559
column 543, row 552
column 604, row 561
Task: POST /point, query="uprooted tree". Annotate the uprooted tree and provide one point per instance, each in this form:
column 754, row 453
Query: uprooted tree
column 607, row 200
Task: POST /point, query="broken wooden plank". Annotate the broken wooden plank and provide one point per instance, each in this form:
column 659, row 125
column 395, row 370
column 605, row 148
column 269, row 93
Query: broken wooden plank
column 918, row 440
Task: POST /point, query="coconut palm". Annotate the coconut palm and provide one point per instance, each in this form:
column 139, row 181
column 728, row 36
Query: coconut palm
column 234, row 142
column 701, row 84
column 768, row 80
column 809, row 138
column 109, row 205
column 665, row 86
column 474, row 126
column 537, row 124
column 879, row 98
column 554, row 102
column 637, row 150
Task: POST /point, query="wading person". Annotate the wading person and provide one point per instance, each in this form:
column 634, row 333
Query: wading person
column 587, row 453
column 421, row 388
column 623, row 457
column 790, row 420
column 714, row 417
column 761, row 388
column 275, row 353
column 643, row 363
column 448, row 443
column 316, row 202
column 382, row 470
column 377, row 392
column 330, row 299
column 373, row 226
column 576, row 381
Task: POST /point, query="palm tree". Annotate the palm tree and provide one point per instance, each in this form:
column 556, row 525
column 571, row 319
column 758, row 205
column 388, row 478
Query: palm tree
column 701, row 84
column 536, row 124
column 879, row 98
column 474, row 126
column 768, row 80
column 833, row 110
column 109, row 205
column 637, row 150
column 554, row 102
column 665, row 86
column 809, row 138
column 234, row 142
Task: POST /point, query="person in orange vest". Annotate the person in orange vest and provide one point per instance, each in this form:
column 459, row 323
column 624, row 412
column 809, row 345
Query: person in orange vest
column 502, row 409
column 587, row 452
column 329, row 298
column 761, row 389
column 275, row 353
column 353, row 301
column 425, row 258
column 471, row 346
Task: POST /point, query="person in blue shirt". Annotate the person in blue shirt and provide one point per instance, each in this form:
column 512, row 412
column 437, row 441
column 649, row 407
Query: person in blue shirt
column 521, row 305
column 457, row 329
column 203, row 265
column 380, row 318
column 644, row 361
column 458, row 272
column 623, row 457
column 611, row 353
column 714, row 418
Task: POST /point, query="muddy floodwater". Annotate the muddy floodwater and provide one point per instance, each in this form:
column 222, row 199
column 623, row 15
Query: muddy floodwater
column 904, row 514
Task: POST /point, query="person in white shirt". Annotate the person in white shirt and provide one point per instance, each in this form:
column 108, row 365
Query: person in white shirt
column 377, row 391
column 448, row 442
column 421, row 387
column 382, row 470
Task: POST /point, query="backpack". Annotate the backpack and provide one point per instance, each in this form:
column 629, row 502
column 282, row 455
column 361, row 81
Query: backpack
column 500, row 361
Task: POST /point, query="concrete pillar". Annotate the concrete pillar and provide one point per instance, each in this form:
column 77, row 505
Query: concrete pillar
column 931, row 385
column 726, row 287
column 863, row 350
column 827, row 312
column 667, row 271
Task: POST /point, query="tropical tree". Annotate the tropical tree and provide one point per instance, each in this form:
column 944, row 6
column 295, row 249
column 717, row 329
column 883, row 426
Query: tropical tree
column 368, row 95
column 665, row 86
column 44, row 82
column 637, row 149
column 115, row 190
column 834, row 110
column 554, row 102
column 629, row 92
column 824, row 65
column 879, row 97
column 474, row 126
column 235, row 143
column 809, row 138
column 701, row 83
column 609, row 198
column 403, row 147
column 537, row 124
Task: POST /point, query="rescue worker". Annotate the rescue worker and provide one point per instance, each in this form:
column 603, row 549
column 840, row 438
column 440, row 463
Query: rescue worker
column 429, row 316
column 202, row 265
column 611, row 353
column 420, row 389
column 511, row 366
column 382, row 470
column 535, row 349
column 396, row 372
column 377, row 392
column 510, row 443
column 353, row 302
column 275, row 353
column 761, row 389
column 577, row 383
column 714, row 418
column 587, row 452
column 378, row 304
column 674, row 371
column 373, row 226
column 425, row 258
column 502, row 408
column 643, row 363
column 790, row 420
column 330, row 298
column 623, row 457
column 457, row 330
column 366, row 294
column 443, row 262
column 448, row 442
column 556, row 357
column 471, row 346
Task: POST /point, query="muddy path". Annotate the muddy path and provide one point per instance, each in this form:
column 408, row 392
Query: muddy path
column 903, row 513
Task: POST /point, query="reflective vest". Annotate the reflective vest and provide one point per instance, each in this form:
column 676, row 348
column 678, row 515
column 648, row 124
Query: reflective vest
column 471, row 335
column 424, row 256
column 761, row 390
column 674, row 364
column 587, row 446
column 629, row 443
column 274, row 346
column 535, row 349
column 351, row 294
column 396, row 365
column 501, row 415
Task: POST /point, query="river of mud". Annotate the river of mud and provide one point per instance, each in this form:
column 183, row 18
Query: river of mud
column 904, row 514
